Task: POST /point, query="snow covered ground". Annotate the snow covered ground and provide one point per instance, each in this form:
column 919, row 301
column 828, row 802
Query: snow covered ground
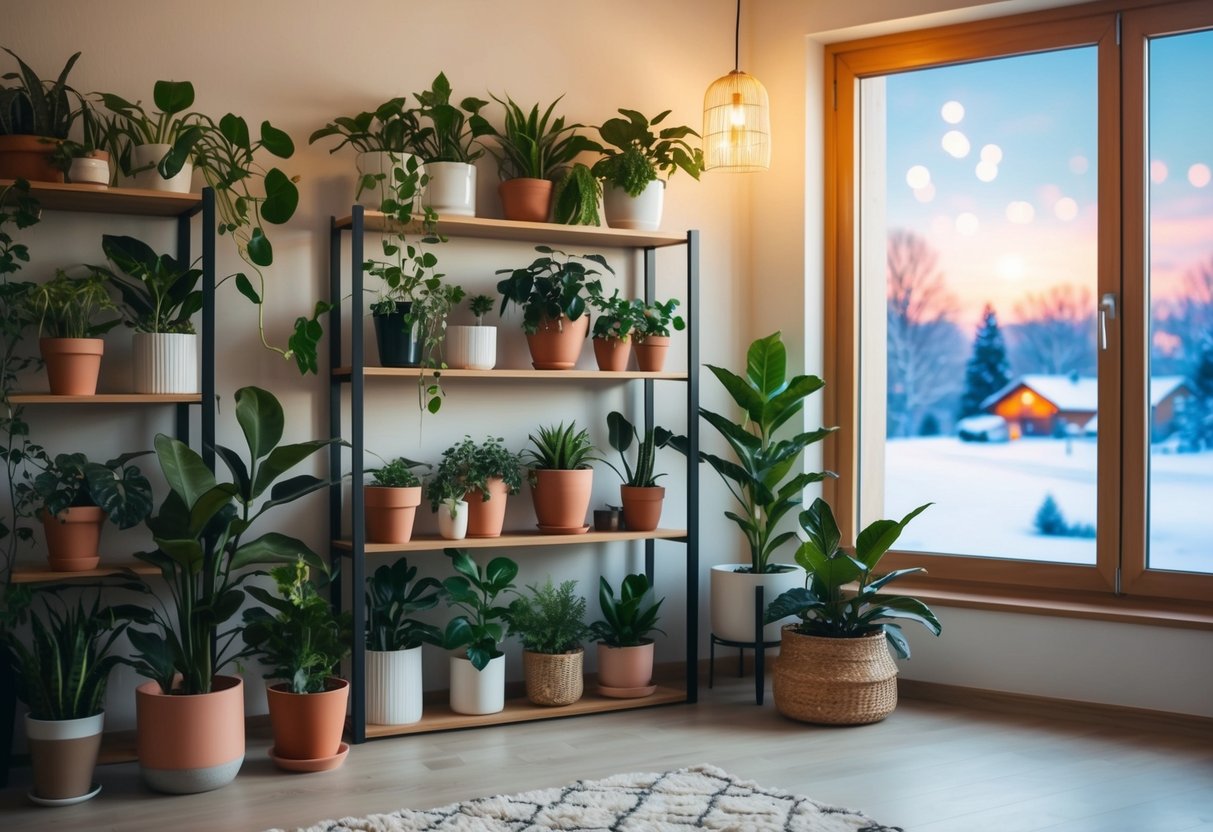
column 986, row 497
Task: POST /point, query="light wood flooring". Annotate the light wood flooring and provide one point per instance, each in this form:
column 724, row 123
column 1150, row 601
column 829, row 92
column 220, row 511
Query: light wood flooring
column 930, row 767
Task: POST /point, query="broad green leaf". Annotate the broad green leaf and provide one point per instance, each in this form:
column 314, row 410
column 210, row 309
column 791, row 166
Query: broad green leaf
column 876, row 539
column 183, row 468
column 261, row 419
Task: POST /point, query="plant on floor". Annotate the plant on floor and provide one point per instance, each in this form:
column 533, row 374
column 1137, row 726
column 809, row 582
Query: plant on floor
column 626, row 621
column 531, row 145
column 551, row 619
column 449, row 137
column 621, row 434
column 552, row 286
column 634, row 156
column 575, row 199
column 67, row 480
column 468, row 466
column 560, row 448
column 475, row 591
column 68, row 307
column 36, row 107
column 393, row 596
column 828, row 605
column 158, row 294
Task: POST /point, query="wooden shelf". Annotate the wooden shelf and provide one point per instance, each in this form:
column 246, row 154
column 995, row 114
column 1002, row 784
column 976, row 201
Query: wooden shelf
column 100, row 199
column 485, row 228
column 107, row 398
column 514, row 374
column 511, row 540
column 41, row 574
column 442, row 718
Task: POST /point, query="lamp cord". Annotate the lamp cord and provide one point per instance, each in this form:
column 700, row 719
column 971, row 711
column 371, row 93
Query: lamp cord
column 737, row 40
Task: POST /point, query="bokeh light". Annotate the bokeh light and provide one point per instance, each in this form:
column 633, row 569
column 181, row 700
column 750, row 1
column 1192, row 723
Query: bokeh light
column 926, row 193
column 955, row 143
column 1065, row 209
column 918, row 177
column 987, row 171
column 991, row 153
column 1158, row 171
column 953, row 112
column 1199, row 175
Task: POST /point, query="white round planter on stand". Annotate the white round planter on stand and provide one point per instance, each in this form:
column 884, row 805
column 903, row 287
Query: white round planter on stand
column 477, row 691
column 148, row 156
column 471, row 347
column 451, row 190
column 393, row 686
column 164, row 362
column 732, row 600
column 381, row 162
column 639, row 213
column 453, row 522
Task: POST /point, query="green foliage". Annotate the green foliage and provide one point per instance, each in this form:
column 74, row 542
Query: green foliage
column 549, row 620
column 576, row 197
column 765, row 479
column 1050, row 521
column 560, row 448
column 657, row 318
column 305, row 639
column 551, row 286
column 34, row 107
column 69, row 480
column 617, row 316
column 68, row 307
column 169, row 124
column 530, row 144
column 621, row 433
column 392, row 596
column 201, row 549
column 467, row 466
column 626, row 622
column 475, row 591
column 397, row 473
column 634, row 155
column 158, row 294
column 390, row 127
column 449, row 137
column 480, row 305
column 822, row 605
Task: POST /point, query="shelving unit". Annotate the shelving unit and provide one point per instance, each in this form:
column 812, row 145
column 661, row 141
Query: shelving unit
column 352, row 370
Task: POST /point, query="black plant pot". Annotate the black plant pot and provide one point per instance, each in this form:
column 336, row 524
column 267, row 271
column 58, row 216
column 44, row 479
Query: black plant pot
column 399, row 344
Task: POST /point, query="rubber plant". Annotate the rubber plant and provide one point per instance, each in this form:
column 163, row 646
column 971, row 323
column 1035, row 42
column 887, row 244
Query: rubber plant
column 480, row 629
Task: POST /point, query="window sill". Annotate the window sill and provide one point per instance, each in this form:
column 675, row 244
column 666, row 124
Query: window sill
column 1158, row 612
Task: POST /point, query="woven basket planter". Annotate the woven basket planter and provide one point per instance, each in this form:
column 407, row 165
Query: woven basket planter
column 553, row 678
column 834, row 681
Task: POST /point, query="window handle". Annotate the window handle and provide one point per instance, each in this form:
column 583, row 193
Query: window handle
column 1107, row 312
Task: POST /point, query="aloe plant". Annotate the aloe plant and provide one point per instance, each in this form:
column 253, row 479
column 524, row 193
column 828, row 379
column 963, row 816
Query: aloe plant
column 561, row 448
column 531, row 144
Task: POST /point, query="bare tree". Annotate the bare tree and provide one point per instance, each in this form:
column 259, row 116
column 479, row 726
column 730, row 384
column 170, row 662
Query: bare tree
column 1055, row 332
column 1181, row 324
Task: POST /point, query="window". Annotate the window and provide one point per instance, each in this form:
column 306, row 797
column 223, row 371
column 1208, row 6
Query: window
column 1021, row 241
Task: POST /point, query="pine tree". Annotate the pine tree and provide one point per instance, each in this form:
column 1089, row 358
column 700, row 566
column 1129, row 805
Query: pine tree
column 987, row 369
column 1049, row 519
column 1195, row 414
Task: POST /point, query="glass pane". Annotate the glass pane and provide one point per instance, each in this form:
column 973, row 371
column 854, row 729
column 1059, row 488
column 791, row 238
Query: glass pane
column 977, row 298
column 1180, row 123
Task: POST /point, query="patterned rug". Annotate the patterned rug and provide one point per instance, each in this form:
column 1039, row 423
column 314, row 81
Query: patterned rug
column 700, row 797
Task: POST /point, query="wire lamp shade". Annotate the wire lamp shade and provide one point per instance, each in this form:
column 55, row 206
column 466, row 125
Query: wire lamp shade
column 736, row 124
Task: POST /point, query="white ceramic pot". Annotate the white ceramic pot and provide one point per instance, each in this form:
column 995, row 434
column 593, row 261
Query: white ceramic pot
column 477, row 691
column 732, row 600
column 471, row 347
column 640, row 213
column 453, row 523
column 451, row 190
column 164, row 362
column 393, row 686
column 145, row 158
column 89, row 170
column 376, row 163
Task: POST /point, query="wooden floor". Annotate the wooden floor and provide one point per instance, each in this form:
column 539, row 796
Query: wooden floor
column 929, row 768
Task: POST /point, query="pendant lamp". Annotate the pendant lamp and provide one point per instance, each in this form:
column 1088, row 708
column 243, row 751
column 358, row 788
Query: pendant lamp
column 736, row 119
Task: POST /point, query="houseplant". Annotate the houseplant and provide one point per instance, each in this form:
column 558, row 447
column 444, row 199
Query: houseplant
column 642, row 497
column 561, row 477
column 652, row 339
column 393, row 642
column 634, row 159
column 834, row 665
column 88, row 161
column 384, row 138
column 575, row 199
column 617, row 318
column 487, row 473
column 532, row 150
column 390, row 500
column 447, row 498
column 625, row 651
column 148, row 140
column 478, row 665
column 473, row 347
column 67, row 310
column 552, row 292
column 446, row 147
column 550, row 623
column 190, row 718
column 765, row 479
column 159, row 297
column 302, row 640
column 35, row 116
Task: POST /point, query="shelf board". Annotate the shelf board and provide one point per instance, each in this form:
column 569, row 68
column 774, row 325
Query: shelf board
column 40, row 574
column 442, row 718
column 100, row 199
column 514, row 374
column 107, row 398
column 485, row 228
column 510, row 540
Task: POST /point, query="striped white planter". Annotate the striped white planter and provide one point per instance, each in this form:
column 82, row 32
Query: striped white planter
column 164, row 362
column 393, row 686
column 471, row 347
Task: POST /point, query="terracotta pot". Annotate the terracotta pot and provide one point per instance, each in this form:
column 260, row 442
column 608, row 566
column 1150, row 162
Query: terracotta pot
column 73, row 538
column 612, row 353
column 526, row 199
column 834, row 681
column 562, row 499
column 625, row 668
column 486, row 518
column 641, row 506
column 308, row 726
column 390, row 513
column 650, row 352
column 554, row 679
column 556, row 345
column 190, row 744
column 28, row 157
column 64, row 754
column 72, row 364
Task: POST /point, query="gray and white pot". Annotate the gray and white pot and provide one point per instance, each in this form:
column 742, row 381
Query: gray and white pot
column 639, row 213
column 732, row 599
column 451, row 189
column 381, row 162
column 164, row 362
column 145, row 158
column 471, row 347
column 393, row 686
column 64, row 754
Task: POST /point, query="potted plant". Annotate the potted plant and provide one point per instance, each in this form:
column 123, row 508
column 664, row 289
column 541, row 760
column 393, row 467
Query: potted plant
column 766, row 480
column 613, row 326
column 625, row 651
column 532, row 151
column 474, row 347
column 66, row 309
column 561, row 477
column 35, row 116
column 652, row 339
column 302, row 641
column 834, row 664
column 446, row 148
column 87, row 162
column 159, row 297
column 550, row 623
column 634, row 160
column 190, row 717
column 552, row 292
column 390, row 501
column 485, row 474
column 62, row 676
column 148, row 140
column 394, row 638
column 477, row 665
column 384, row 138
column 446, row 497
column 642, row 497
column 73, row 497
column 575, row 199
